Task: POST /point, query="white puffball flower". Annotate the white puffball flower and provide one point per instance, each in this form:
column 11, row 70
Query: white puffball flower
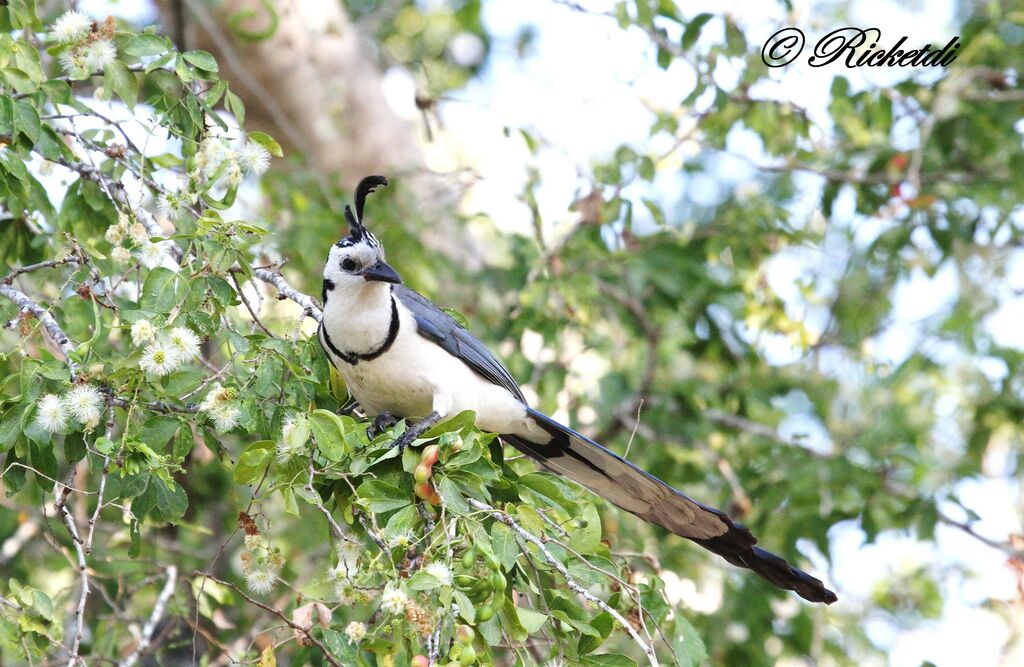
column 121, row 255
column 217, row 395
column 253, row 158
column 143, row 332
column 114, row 234
column 340, row 571
column 84, row 403
column 349, row 552
column 439, row 571
column 50, row 414
column 138, row 233
column 171, row 204
column 355, row 631
column 72, row 61
column 294, row 437
column 393, row 600
column 345, row 592
column 72, row 27
column 153, row 254
column 234, row 174
column 99, row 54
column 184, row 342
column 260, row 580
column 159, row 358
column 218, row 405
column 225, row 417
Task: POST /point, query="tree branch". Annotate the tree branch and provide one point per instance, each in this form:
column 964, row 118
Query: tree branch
column 287, row 621
column 50, row 324
column 573, row 585
column 154, row 617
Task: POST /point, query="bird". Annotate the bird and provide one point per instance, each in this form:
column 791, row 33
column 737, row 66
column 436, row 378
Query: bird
column 402, row 357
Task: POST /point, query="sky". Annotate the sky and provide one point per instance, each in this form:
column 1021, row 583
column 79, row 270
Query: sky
column 589, row 94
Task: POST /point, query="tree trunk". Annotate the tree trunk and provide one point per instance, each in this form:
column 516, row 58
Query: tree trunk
column 303, row 72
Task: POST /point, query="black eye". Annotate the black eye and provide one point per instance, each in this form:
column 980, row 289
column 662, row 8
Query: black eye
column 348, row 264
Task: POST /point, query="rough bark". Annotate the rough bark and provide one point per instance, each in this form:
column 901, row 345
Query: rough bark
column 306, row 77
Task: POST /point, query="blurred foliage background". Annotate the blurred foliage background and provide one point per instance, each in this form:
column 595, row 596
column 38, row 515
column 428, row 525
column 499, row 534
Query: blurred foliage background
column 808, row 316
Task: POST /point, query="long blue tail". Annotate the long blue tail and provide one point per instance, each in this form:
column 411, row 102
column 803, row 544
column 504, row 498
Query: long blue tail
column 620, row 482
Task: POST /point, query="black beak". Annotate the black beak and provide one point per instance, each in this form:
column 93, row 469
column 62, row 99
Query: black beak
column 383, row 273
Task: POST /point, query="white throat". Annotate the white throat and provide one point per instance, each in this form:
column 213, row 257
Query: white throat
column 357, row 318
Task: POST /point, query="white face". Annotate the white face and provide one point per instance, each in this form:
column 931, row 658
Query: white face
column 347, row 260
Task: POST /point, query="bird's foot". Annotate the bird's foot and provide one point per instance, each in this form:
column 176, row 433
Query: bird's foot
column 415, row 431
column 381, row 423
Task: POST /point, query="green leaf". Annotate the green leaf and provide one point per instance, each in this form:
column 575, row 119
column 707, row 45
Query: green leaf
column 122, row 82
column 586, row 539
column 201, row 59
column 603, row 623
column 424, row 581
column 530, row 619
column 136, row 539
column 383, row 497
column 253, row 461
column 608, row 660
column 26, row 120
column 234, row 106
column 451, row 496
column 503, row 539
column 689, row 647
column 268, row 142
column 459, row 318
column 146, row 44
column 165, row 501
column 693, row 28
column 159, row 291
column 467, row 609
column 550, row 488
column 329, row 431
column 158, row 430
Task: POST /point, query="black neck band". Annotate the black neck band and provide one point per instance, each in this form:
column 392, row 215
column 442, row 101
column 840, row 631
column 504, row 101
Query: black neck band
column 353, row 358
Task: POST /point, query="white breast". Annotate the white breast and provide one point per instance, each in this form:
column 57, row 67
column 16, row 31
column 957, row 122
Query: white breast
column 416, row 376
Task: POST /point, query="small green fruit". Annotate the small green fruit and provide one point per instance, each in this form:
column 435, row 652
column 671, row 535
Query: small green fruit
column 422, row 473
column 465, row 634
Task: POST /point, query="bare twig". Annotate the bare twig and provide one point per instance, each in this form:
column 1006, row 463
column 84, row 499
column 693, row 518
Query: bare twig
column 338, row 531
column 288, row 292
column 154, row 617
column 50, row 324
column 76, row 542
column 9, row 278
column 573, row 585
column 276, row 612
column 248, row 306
column 103, row 480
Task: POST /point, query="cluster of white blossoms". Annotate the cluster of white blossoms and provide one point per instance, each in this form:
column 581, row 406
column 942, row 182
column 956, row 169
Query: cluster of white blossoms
column 348, row 563
column 151, row 253
column 217, row 159
column 164, row 352
column 439, row 571
column 83, row 402
column 393, row 600
column 86, row 50
column 355, row 631
column 261, row 565
column 294, row 438
column 219, row 404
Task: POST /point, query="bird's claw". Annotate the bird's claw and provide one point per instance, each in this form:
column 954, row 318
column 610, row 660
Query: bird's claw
column 404, row 441
column 381, row 423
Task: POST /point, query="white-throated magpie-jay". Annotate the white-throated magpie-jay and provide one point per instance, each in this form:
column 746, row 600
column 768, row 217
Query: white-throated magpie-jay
column 403, row 357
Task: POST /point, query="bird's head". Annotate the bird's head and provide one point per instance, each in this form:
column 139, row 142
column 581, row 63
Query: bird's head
column 358, row 258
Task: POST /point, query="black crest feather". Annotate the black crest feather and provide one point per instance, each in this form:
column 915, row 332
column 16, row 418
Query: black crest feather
column 365, row 187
